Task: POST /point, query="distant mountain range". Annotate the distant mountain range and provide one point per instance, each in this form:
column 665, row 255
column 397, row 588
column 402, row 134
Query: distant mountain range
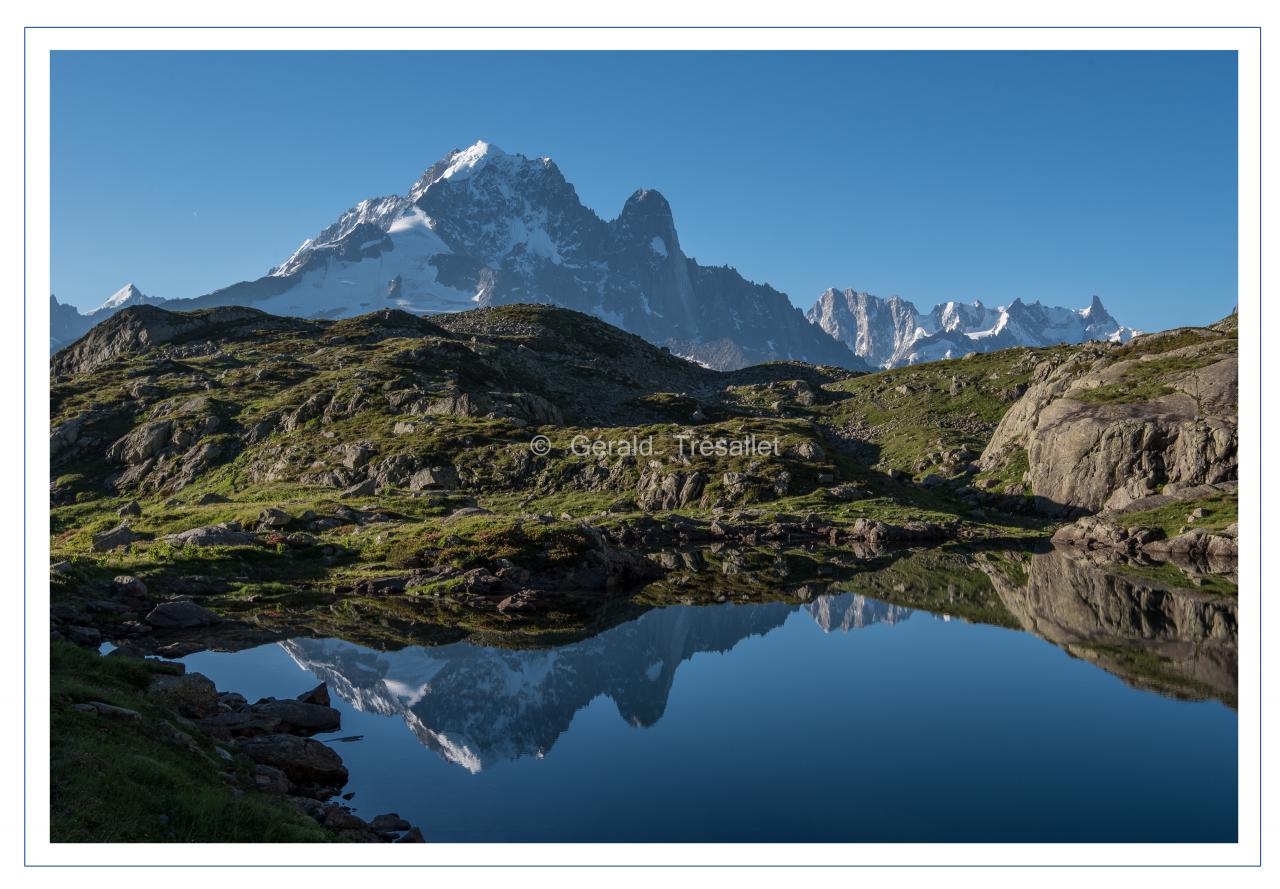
column 893, row 332
column 482, row 227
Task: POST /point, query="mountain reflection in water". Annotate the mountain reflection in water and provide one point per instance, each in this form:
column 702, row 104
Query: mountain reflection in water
column 475, row 706
column 1060, row 696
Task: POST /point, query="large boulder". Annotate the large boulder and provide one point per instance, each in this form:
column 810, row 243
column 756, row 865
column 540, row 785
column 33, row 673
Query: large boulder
column 120, row 535
column 299, row 717
column 191, row 694
column 434, row 477
column 143, row 443
column 659, row 489
column 180, row 614
column 1103, row 430
column 221, row 534
column 272, row 716
column 305, row 761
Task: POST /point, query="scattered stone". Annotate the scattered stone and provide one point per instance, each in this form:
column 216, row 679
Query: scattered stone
column 221, row 534
column 120, row 535
column 269, row 779
column 846, row 493
column 110, row 711
column 180, row 649
column 298, row 717
column 318, row 695
column 389, row 823
column 130, row 509
column 129, row 585
column 466, row 511
column 366, row 488
column 271, row 517
column 437, row 477
column 339, row 818
column 193, row 694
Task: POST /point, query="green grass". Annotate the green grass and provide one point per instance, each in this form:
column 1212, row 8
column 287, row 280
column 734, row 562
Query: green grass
column 116, row 781
column 1220, row 509
column 1010, row 476
column 1144, row 381
column 911, row 414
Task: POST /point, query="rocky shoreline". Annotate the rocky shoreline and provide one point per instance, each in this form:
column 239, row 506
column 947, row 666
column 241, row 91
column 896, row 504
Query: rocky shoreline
column 1130, row 529
column 265, row 747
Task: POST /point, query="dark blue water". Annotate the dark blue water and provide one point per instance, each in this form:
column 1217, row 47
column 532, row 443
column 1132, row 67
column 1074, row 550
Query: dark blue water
column 846, row 720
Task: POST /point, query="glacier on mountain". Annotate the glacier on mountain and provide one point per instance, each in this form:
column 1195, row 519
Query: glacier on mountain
column 482, row 227
column 892, row 332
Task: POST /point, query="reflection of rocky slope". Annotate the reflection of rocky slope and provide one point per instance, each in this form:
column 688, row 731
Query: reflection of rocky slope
column 1152, row 634
column 476, row 706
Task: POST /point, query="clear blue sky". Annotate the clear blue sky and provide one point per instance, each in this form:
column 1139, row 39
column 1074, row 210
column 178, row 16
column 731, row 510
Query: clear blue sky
column 934, row 176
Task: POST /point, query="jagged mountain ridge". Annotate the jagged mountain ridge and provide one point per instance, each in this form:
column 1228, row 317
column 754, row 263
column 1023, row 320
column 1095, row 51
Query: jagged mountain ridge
column 485, row 228
column 67, row 324
column 892, row 332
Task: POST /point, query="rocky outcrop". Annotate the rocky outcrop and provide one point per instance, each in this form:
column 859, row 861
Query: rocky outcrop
column 661, row 488
column 143, row 327
column 1108, row 427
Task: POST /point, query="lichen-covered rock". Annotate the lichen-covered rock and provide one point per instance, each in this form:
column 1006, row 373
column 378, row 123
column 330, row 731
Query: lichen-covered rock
column 1102, row 433
column 661, row 489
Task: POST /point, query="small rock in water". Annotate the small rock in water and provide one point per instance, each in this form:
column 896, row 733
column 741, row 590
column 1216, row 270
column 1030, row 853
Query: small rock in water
column 318, row 695
column 412, row 836
column 389, row 823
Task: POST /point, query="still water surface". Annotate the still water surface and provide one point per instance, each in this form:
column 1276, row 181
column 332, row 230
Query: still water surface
column 843, row 719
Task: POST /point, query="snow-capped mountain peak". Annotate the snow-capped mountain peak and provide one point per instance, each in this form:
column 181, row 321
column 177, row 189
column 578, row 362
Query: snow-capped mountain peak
column 892, row 332
column 482, row 227
column 485, row 227
column 470, row 159
column 127, row 295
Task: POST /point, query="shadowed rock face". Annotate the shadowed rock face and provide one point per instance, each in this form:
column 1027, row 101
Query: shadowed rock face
column 1101, row 433
column 1154, row 635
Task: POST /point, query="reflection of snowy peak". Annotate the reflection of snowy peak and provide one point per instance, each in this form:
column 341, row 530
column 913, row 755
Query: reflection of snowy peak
column 852, row 611
column 476, row 706
column 892, row 332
